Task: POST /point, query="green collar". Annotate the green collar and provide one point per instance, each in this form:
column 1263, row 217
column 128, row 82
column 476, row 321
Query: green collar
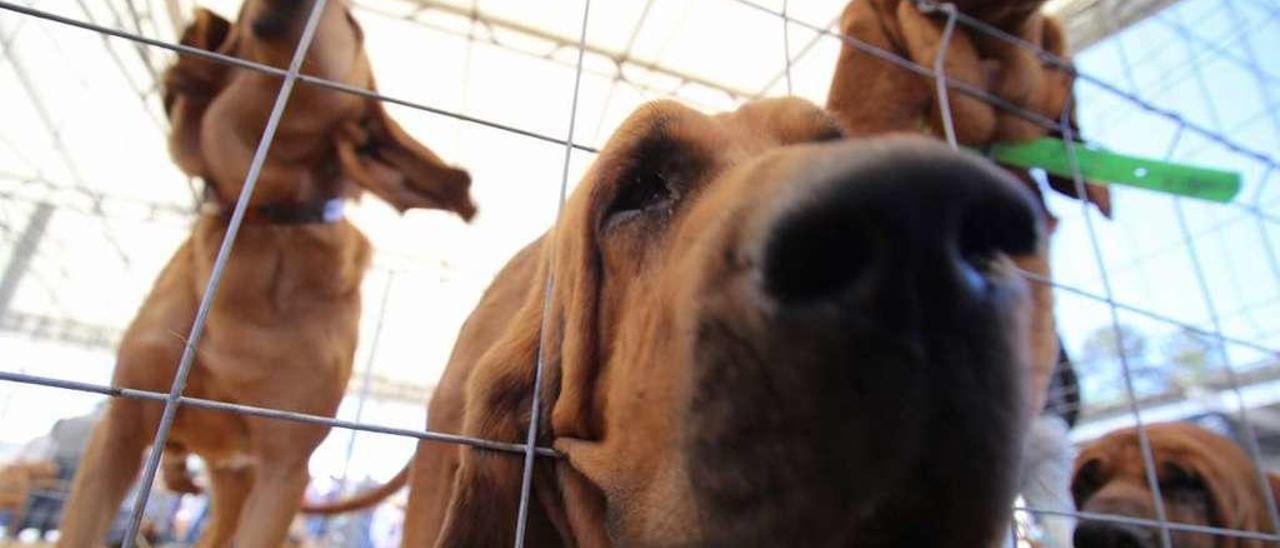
column 1101, row 166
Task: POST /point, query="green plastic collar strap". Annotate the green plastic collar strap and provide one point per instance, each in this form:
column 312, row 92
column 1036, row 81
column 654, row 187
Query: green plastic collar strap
column 1098, row 165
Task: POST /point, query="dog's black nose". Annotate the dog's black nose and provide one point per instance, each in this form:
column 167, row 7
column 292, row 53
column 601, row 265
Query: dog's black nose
column 1094, row 534
column 277, row 18
column 897, row 217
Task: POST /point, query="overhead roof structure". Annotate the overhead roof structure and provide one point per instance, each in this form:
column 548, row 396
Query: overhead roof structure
column 1091, row 21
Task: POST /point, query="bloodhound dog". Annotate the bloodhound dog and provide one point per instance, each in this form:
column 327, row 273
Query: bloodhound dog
column 870, row 96
column 1205, row 479
column 759, row 334
column 282, row 331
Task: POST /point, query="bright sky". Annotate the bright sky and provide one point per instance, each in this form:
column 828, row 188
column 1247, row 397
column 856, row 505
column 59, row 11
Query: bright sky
column 95, row 269
column 1202, row 59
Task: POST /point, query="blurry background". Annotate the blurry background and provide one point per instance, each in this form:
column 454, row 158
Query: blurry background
column 91, row 206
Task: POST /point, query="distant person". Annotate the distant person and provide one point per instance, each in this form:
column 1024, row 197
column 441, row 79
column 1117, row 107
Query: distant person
column 62, row 446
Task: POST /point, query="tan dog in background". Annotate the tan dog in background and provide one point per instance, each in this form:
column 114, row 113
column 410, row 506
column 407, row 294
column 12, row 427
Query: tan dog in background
column 282, row 332
column 872, row 96
column 1205, row 479
column 760, row 334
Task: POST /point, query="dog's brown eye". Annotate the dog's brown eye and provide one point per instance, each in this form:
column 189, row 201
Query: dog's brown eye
column 649, row 192
column 1176, row 478
column 653, row 181
column 1089, row 478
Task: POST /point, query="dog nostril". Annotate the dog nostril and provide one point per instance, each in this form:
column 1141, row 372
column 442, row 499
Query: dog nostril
column 901, row 218
column 276, row 17
column 1111, row 535
column 824, row 249
column 269, row 26
column 1129, row 541
column 992, row 226
column 986, row 231
column 816, row 255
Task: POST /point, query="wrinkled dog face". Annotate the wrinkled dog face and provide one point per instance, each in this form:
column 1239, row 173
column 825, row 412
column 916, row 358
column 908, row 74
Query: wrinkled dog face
column 823, row 332
column 1119, row 487
column 1204, row 479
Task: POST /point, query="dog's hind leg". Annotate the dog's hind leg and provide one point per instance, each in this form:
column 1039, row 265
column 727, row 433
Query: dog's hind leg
column 229, row 487
column 107, row 469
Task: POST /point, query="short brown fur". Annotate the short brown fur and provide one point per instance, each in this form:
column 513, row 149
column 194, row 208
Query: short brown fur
column 282, row 331
column 1205, row 479
column 642, row 427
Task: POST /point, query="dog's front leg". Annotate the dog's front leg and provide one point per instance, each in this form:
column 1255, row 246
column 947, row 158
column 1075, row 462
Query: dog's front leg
column 229, row 486
column 281, row 450
column 273, row 501
column 107, row 469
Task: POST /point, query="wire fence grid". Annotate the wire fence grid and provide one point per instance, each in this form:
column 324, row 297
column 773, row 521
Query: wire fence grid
column 1236, row 354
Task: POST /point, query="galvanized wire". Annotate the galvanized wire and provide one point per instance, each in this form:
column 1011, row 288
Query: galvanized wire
column 940, row 72
column 1064, row 64
column 1001, row 103
column 529, row 449
column 786, row 45
column 267, row 69
column 911, row 66
column 535, row 399
column 792, row 60
column 270, row 413
column 1202, row 283
column 1144, row 442
column 1154, row 524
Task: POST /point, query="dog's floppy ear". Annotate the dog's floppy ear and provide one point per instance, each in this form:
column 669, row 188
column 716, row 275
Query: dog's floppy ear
column 1233, row 506
column 1086, row 476
column 190, row 84
column 1258, row 516
column 1225, row 471
column 1273, row 482
column 486, row 491
column 487, row 485
column 377, row 154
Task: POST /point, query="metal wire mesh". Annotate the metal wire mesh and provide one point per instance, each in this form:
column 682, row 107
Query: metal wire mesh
column 1102, row 279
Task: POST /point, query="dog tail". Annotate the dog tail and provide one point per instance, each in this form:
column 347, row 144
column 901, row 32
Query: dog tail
column 361, row 500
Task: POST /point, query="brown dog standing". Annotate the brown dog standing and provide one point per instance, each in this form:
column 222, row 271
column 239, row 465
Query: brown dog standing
column 760, row 334
column 871, row 96
column 283, row 329
column 1205, row 479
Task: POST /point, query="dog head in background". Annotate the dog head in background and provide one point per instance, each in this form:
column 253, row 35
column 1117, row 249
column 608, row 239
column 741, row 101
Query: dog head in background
column 326, row 139
column 1205, row 479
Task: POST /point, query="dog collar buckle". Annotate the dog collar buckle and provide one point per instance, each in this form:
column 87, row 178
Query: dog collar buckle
column 333, row 209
